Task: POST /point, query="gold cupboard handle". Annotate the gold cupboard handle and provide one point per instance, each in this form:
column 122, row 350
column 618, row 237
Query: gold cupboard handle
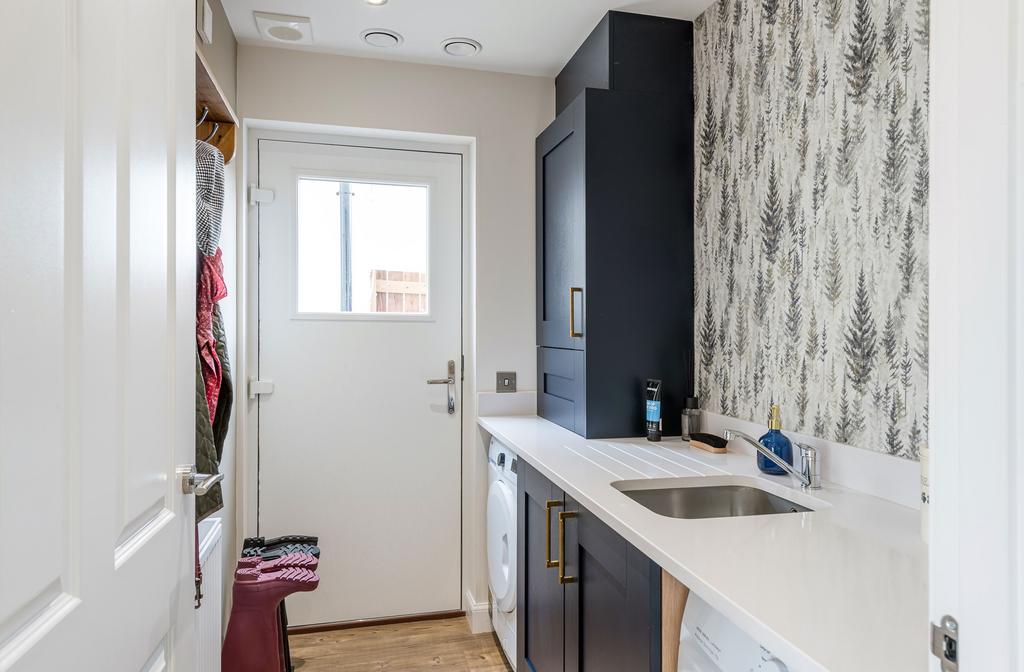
column 548, row 505
column 562, row 515
column 572, row 311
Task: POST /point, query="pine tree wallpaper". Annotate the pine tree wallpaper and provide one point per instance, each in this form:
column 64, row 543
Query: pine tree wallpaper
column 811, row 216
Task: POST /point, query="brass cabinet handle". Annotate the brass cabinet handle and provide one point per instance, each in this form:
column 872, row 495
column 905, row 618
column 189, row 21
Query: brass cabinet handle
column 548, row 505
column 562, row 578
column 572, row 311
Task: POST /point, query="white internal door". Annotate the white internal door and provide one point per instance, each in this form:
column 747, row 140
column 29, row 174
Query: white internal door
column 97, row 336
column 359, row 305
column 976, row 378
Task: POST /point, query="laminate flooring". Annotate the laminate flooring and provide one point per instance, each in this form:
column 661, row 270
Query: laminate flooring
column 402, row 647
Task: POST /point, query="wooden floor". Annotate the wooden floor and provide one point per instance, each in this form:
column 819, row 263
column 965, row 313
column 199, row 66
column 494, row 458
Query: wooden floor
column 423, row 645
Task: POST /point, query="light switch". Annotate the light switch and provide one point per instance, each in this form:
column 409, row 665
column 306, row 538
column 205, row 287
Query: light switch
column 506, row 381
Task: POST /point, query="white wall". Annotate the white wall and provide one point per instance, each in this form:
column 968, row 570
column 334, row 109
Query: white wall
column 221, row 54
column 503, row 114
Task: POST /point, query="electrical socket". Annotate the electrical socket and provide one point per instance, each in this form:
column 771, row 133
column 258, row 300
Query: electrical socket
column 506, row 381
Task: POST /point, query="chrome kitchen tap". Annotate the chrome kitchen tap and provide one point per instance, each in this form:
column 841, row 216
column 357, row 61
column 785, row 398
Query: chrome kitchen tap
column 810, row 469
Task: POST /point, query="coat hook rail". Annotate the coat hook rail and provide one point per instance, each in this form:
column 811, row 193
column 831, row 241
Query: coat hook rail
column 216, row 127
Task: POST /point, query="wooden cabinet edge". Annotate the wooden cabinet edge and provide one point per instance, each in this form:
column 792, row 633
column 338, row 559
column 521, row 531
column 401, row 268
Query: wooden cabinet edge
column 673, row 602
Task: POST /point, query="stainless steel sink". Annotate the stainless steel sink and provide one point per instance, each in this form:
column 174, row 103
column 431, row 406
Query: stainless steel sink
column 713, row 501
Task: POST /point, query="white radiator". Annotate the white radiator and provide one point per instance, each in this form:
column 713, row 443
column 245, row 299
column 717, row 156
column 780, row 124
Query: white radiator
column 208, row 616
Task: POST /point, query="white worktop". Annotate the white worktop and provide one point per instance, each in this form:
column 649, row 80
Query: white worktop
column 842, row 587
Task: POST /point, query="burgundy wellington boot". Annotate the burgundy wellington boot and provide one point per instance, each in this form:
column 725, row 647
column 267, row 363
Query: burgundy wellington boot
column 253, row 642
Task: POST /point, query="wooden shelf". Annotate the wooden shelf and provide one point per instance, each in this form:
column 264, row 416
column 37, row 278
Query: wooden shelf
column 210, row 95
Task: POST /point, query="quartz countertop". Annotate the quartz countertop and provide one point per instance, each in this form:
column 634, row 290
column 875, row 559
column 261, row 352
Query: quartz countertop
column 842, row 587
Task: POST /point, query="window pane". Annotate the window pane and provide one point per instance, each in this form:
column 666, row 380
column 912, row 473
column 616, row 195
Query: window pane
column 362, row 247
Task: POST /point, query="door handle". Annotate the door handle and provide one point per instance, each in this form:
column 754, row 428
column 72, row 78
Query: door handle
column 548, row 505
column 194, row 483
column 572, row 311
column 450, row 382
column 562, row 578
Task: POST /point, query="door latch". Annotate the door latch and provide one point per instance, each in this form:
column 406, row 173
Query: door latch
column 258, row 387
column 257, row 195
column 944, row 644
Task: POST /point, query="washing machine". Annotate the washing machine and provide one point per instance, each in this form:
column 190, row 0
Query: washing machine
column 501, row 544
column 709, row 642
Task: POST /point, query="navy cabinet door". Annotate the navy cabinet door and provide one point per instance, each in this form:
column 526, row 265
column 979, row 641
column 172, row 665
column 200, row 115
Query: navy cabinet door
column 561, row 230
column 613, row 608
column 541, row 607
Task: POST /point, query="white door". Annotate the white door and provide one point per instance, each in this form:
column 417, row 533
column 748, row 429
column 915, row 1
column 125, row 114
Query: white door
column 97, row 342
column 976, row 406
column 359, row 305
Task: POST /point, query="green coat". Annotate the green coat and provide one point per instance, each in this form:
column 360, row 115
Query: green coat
column 210, row 437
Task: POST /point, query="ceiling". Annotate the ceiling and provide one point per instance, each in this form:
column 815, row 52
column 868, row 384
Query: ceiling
column 532, row 37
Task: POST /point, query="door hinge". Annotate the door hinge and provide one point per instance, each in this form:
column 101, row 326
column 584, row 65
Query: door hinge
column 258, row 387
column 462, row 371
column 257, row 195
column 944, row 644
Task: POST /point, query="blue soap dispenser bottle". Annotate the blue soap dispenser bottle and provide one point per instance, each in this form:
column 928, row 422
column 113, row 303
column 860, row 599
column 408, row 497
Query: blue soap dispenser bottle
column 776, row 442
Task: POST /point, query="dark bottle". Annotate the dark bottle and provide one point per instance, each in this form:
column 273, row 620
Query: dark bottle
column 652, row 409
column 776, row 442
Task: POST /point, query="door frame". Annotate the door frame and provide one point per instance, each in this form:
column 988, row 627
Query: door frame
column 247, row 437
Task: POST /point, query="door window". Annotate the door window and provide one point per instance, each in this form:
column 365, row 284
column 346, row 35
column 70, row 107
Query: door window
column 361, row 247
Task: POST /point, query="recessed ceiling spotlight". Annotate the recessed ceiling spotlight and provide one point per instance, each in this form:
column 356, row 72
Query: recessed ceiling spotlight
column 376, row 3
column 461, row 46
column 284, row 28
column 381, row 37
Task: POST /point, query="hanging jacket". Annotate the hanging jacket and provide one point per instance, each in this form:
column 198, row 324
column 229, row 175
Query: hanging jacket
column 214, row 393
column 209, row 196
column 225, row 398
column 207, row 460
column 210, row 290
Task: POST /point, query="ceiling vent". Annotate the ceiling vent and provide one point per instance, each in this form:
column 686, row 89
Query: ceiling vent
column 381, row 37
column 461, row 46
column 284, row 28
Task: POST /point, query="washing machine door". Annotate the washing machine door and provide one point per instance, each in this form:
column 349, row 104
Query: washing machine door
column 501, row 545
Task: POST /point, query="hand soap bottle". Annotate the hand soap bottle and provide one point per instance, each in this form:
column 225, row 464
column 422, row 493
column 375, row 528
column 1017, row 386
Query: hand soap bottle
column 776, row 442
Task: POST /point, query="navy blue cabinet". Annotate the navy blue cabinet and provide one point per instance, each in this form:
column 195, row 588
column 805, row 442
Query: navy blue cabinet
column 614, row 262
column 630, row 52
column 588, row 600
column 540, row 630
column 615, row 239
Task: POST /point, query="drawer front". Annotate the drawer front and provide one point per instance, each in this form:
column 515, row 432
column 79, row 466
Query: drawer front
column 561, row 382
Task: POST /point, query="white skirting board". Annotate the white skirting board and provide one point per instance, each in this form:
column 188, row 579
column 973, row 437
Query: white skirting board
column 478, row 614
column 208, row 615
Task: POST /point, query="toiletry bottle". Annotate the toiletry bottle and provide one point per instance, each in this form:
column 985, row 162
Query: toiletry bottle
column 776, row 442
column 690, row 418
column 652, row 397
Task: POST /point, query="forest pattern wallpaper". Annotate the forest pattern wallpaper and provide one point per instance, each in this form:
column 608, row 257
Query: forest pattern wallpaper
column 811, row 216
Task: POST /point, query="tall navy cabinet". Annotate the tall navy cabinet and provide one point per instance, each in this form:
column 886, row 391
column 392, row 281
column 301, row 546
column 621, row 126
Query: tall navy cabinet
column 615, row 230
